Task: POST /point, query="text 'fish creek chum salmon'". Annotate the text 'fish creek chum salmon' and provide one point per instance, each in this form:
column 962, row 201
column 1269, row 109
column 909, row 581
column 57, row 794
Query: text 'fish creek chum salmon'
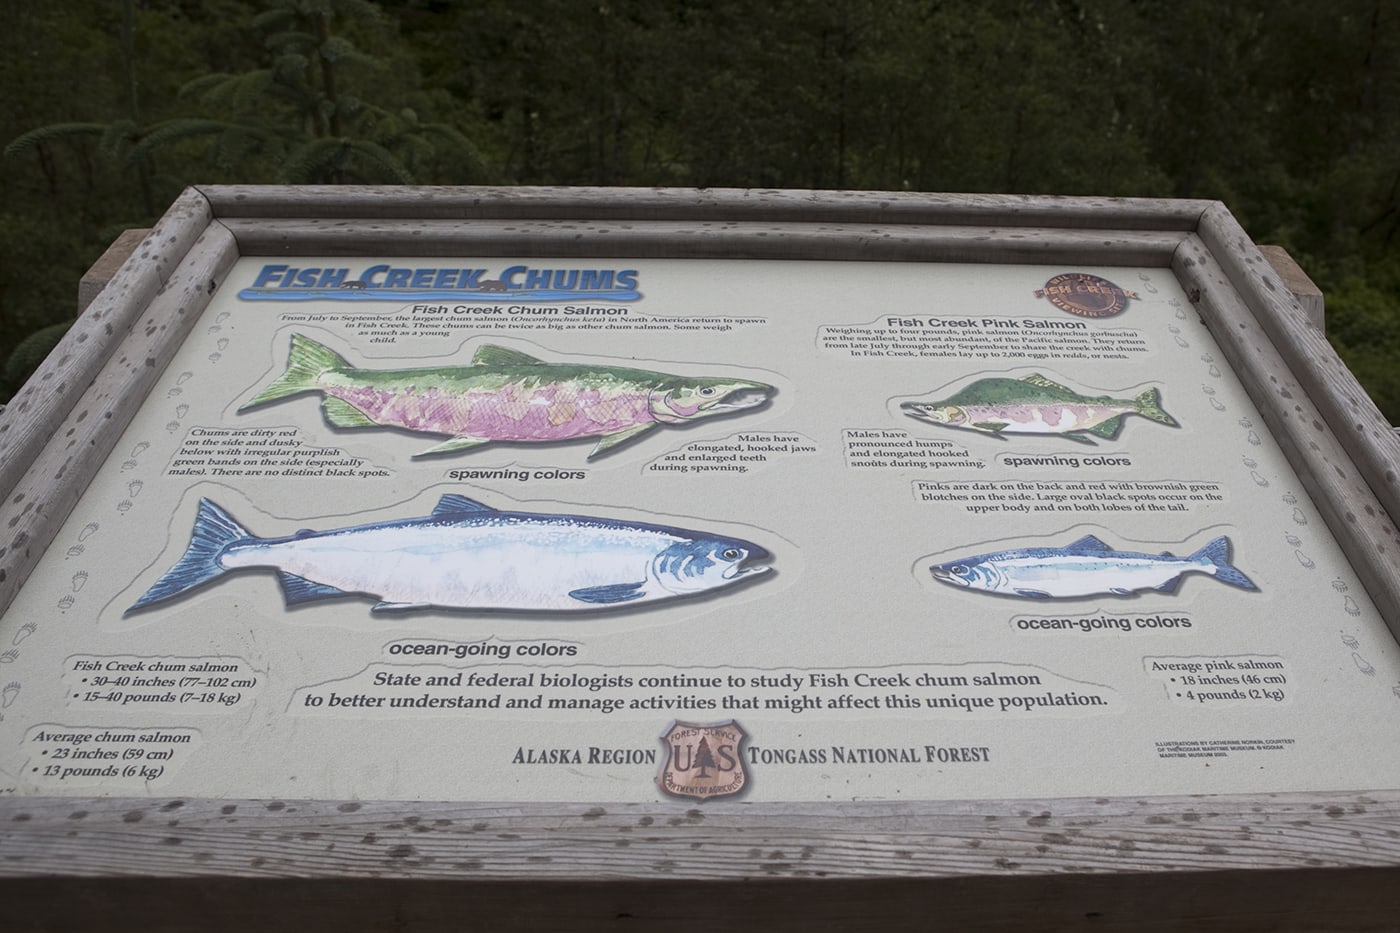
column 466, row 555
column 505, row 395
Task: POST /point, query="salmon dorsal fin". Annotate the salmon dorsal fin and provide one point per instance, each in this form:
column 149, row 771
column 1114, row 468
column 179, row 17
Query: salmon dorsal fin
column 453, row 504
column 490, row 355
column 1087, row 545
column 1036, row 379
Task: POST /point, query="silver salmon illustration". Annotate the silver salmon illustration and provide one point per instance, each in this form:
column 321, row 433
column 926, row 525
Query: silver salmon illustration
column 1037, row 405
column 466, row 555
column 1086, row 567
column 505, row 395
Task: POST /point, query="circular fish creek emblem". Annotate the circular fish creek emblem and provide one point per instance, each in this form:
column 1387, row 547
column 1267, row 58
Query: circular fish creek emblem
column 1085, row 295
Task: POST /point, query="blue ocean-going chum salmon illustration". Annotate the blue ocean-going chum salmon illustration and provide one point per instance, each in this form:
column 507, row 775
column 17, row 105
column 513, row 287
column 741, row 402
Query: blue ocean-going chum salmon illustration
column 1085, row 568
column 466, row 555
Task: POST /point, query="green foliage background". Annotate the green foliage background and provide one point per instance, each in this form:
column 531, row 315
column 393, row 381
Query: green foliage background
column 1286, row 110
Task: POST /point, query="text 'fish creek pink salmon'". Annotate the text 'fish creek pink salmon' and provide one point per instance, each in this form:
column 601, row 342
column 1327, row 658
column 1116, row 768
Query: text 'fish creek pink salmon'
column 505, row 395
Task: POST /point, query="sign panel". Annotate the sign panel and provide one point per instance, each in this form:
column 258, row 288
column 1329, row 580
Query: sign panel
column 604, row 530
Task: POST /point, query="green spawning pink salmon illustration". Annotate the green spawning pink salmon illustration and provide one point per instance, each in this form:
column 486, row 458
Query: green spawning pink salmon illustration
column 505, row 395
column 1037, row 405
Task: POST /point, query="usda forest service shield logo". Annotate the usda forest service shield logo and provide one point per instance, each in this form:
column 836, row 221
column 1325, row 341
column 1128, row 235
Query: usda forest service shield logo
column 1085, row 295
column 702, row 760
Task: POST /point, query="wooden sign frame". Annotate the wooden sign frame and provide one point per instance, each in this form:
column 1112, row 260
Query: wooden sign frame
column 1298, row 860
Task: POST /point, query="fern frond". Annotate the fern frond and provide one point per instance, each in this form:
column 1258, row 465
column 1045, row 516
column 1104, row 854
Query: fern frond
column 446, row 132
column 114, row 136
column 45, row 134
column 319, row 159
column 311, row 162
column 173, row 131
column 377, row 155
column 238, row 143
column 464, row 151
column 274, row 17
column 229, row 91
column 250, row 88
column 360, row 9
column 204, row 84
column 294, row 41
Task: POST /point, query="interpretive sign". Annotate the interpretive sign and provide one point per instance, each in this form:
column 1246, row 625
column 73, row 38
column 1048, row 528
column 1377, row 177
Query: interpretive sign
column 905, row 531
column 656, row 522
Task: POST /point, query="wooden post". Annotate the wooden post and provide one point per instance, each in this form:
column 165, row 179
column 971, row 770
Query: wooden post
column 1299, row 285
column 101, row 272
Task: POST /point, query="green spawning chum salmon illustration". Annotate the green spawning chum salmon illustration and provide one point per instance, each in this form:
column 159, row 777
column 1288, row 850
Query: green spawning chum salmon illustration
column 1086, row 567
column 1037, row 405
column 467, row 555
column 505, row 395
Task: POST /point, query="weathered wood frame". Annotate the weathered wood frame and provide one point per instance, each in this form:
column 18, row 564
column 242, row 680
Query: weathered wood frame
column 1300, row 860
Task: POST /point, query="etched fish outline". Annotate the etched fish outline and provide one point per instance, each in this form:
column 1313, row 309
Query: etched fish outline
column 507, row 396
column 1037, row 405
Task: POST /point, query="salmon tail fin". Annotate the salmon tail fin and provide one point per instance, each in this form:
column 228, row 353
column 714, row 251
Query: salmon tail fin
column 1149, row 405
column 214, row 530
column 305, row 364
column 1217, row 555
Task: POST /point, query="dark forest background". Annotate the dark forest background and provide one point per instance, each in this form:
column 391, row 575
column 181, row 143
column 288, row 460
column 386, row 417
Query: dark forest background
column 1286, row 110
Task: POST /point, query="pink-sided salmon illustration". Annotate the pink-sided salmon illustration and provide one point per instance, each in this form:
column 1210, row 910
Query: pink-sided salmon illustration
column 505, row 395
column 1037, row 405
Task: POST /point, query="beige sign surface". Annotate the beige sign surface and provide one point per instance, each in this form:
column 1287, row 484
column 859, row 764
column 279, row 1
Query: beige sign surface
column 604, row 530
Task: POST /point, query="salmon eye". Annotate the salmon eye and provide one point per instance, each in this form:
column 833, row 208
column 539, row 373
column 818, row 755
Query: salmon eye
column 731, row 553
column 708, row 391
